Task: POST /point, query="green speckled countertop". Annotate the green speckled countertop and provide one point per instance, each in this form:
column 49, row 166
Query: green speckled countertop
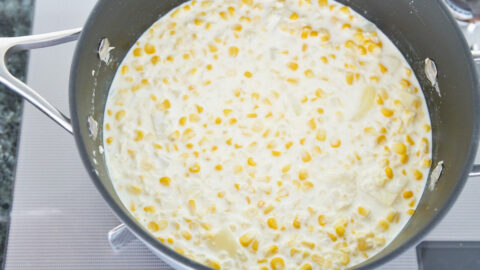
column 15, row 20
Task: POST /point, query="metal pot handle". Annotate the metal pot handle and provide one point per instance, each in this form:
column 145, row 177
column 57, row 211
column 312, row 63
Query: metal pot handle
column 10, row 45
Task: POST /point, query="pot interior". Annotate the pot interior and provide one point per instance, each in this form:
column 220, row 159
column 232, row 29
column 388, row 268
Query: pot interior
column 420, row 29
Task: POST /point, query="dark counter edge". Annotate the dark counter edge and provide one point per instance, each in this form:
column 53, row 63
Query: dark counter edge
column 16, row 18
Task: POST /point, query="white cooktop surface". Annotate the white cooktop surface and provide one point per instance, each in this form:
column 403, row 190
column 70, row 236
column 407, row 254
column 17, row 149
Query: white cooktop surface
column 59, row 220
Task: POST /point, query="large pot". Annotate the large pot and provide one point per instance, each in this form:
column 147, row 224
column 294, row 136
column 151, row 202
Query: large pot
column 421, row 29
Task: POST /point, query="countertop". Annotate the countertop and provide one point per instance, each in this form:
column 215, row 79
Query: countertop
column 15, row 20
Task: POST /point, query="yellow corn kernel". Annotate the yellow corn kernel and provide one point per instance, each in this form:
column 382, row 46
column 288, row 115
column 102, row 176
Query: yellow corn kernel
column 363, row 211
column 303, row 174
column 138, row 135
column 407, row 194
column 276, row 153
column 381, row 139
column 154, row 59
column 153, row 226
column 293, row 66
column 321, row 135
column 404, row 159
column 187, row 235
column 213, row 264
column 312, row 124
column 418, row 174
column 271, row 250
column 135, row 190
column 109, row 140
column 272, row 223
column 194, row 117
column 332, row 237
column 277, row 263
column 233, row 51
column 322, row 220
column 409, row 140
column 182, row 121
column 383, row 225
column 251, row 162
column 306, row 157
column 389, row 172
column 410, row 212
column 137, row 52
column 252, row 115
column 340, row 230
column 195, row 168
column 268, row 209
column 248, row 74
column 296, row 223
column 149, row 48
column 427, row 128
column 382, row 68
column 349, row 78
column 323, row 3
column 305, row 266
column 165, row 181
column 387, row 112
column 405, row 83
column 399, row 148
column 149, row 209
column 255, row 245
column 393, row 217
column 246, row 239
column 309, row 73
column 336, row 143
column 120, row 115
column 294, row 16
column 286, row 168
column 199, row 108
column 345, row 259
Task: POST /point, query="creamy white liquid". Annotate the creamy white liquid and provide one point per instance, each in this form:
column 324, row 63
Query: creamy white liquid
column 268, row 134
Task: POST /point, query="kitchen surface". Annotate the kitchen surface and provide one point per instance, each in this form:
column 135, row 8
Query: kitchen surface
column 58, row 219
column 15, row 20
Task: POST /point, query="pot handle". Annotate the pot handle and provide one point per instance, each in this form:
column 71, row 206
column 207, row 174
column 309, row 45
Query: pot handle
column 10, row 45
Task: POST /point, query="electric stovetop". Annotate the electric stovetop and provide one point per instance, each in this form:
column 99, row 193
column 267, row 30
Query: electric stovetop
column 60, row 221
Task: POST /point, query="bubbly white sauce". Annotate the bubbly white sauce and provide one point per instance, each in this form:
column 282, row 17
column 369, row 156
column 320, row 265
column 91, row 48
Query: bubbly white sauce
column 268, row 134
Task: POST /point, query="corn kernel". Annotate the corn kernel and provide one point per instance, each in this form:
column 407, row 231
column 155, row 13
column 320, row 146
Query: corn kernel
column 165, row 181
column 303, row 174
column 387, row 112
column 137, row 52
column 336, row 143
column 149, row 209
column 272, row 223
column 152, row 226
column 322, row 220
column 345, row 259
column 277, row 263
column 399, row 148
column 233, row 51
column 293, row 66
column 276, row 153
column 251, row 162
column 286, row 168
column 411, row 212
column 195, row 168
column 418, row 175
column 248, row 74
column 383, row 225
column 363, row 211
column 109, row 140
column 389, row 172
column 407, row 194
column 340, row 230
column 305, row 266
column 246, row 239
column 306, row 157
column 382, row 68
column 149, row 48
column 349, row 78
column 323, row 3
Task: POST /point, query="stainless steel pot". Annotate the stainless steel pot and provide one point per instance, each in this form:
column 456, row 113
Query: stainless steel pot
column 421, row 29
